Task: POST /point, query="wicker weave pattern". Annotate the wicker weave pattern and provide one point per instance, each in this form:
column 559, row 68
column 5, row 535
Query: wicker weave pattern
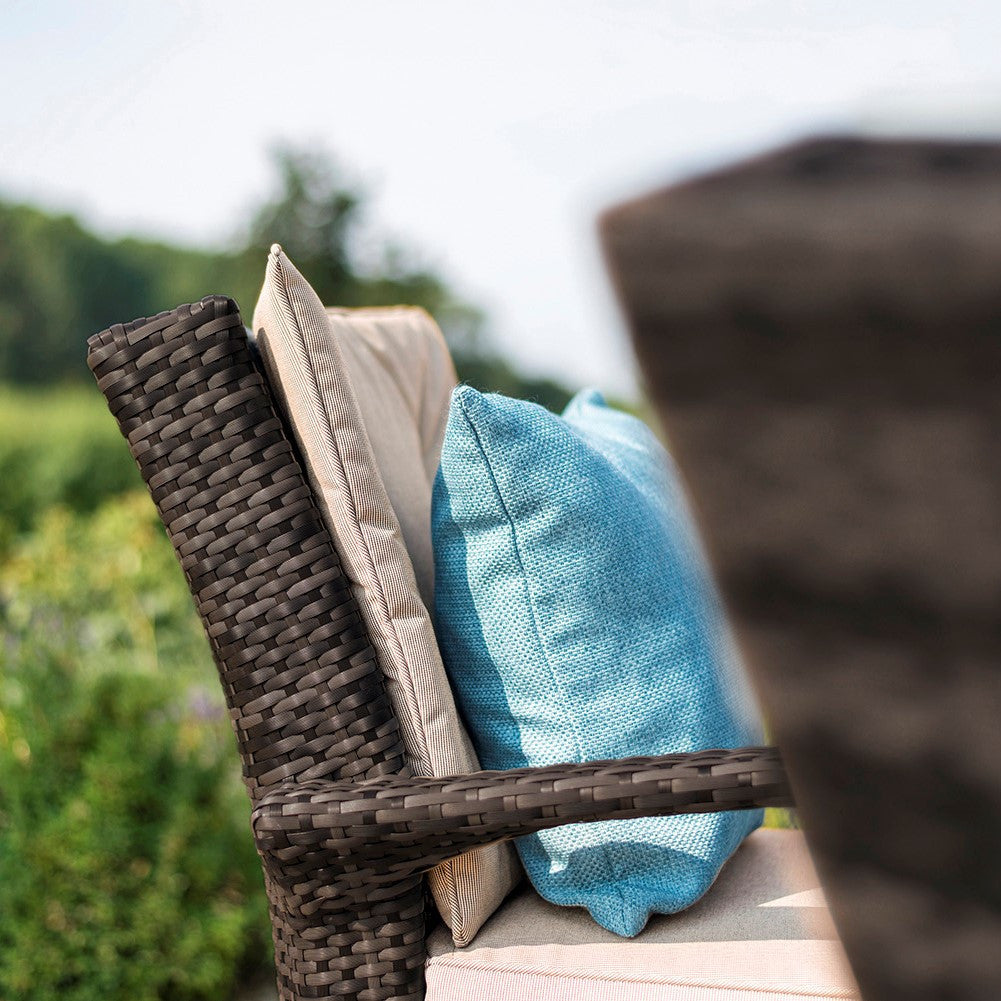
column 408, row 824
column 344, row 832
column 324, row 844
column 300, row 677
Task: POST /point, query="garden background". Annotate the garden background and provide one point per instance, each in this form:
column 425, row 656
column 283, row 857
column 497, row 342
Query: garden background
column 127, row 869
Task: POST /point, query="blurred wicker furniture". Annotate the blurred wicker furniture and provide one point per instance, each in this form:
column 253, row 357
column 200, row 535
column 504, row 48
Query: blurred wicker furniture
column 343, row 831
column 820, row 330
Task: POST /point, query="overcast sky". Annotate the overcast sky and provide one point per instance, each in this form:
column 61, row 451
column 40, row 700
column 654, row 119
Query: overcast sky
column 490, row 134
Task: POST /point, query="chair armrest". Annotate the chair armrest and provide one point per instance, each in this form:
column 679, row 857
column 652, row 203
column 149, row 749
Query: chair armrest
column 343, row 860
column 395, row 823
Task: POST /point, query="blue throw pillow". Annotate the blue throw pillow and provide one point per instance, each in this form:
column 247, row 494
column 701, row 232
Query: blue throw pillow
column 578, row 621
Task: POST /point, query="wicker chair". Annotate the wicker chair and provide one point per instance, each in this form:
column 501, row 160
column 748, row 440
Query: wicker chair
column 820, row 332
column 344, row 832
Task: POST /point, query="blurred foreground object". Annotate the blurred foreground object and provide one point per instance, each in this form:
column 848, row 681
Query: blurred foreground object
column 820, row 330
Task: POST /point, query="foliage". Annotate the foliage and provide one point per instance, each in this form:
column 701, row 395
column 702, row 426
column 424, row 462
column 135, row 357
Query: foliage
column 317, row 214
column 127, row 869
column 782, row 818
column 58, row 447
column 491, row 374
column 59, row 282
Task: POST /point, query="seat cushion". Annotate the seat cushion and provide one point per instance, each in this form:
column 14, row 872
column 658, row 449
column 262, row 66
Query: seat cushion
column 578, row 622
column 762, row 931
column 366, row 394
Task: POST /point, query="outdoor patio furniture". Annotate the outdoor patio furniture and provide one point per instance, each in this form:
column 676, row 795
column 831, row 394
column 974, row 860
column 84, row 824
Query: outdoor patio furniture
column 820, row 331
column 343, row 830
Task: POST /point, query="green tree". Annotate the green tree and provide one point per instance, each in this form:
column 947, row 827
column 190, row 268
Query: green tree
column 56, row 281
column 60, row 282
column 317, row 213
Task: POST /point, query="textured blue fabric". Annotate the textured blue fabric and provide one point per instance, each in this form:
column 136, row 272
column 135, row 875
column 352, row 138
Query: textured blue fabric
column 577, row 622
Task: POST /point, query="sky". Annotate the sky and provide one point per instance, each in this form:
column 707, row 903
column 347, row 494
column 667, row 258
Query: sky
column 490, row 135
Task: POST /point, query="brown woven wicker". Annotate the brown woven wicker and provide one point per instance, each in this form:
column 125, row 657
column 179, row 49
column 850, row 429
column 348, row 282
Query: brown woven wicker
column 820, row 329
column 343, row 831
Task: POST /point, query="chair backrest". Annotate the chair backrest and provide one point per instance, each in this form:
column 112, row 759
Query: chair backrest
column 299, row 673
column 304, row 692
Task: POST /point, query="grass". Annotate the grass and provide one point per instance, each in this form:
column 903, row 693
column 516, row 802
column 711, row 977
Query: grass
column 58, row 448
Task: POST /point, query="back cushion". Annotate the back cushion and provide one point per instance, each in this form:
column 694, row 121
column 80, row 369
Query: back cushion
column 578, row 622
column 366, row 393
column 402, row 375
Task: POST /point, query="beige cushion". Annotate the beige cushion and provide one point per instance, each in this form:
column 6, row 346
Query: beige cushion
column 403, row 377
column 366, row 393
column 761, row 932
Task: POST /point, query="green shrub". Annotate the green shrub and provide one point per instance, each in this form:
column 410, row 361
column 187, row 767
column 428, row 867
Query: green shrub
column 781, row 817
column 58, row 447
column 127, row 868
